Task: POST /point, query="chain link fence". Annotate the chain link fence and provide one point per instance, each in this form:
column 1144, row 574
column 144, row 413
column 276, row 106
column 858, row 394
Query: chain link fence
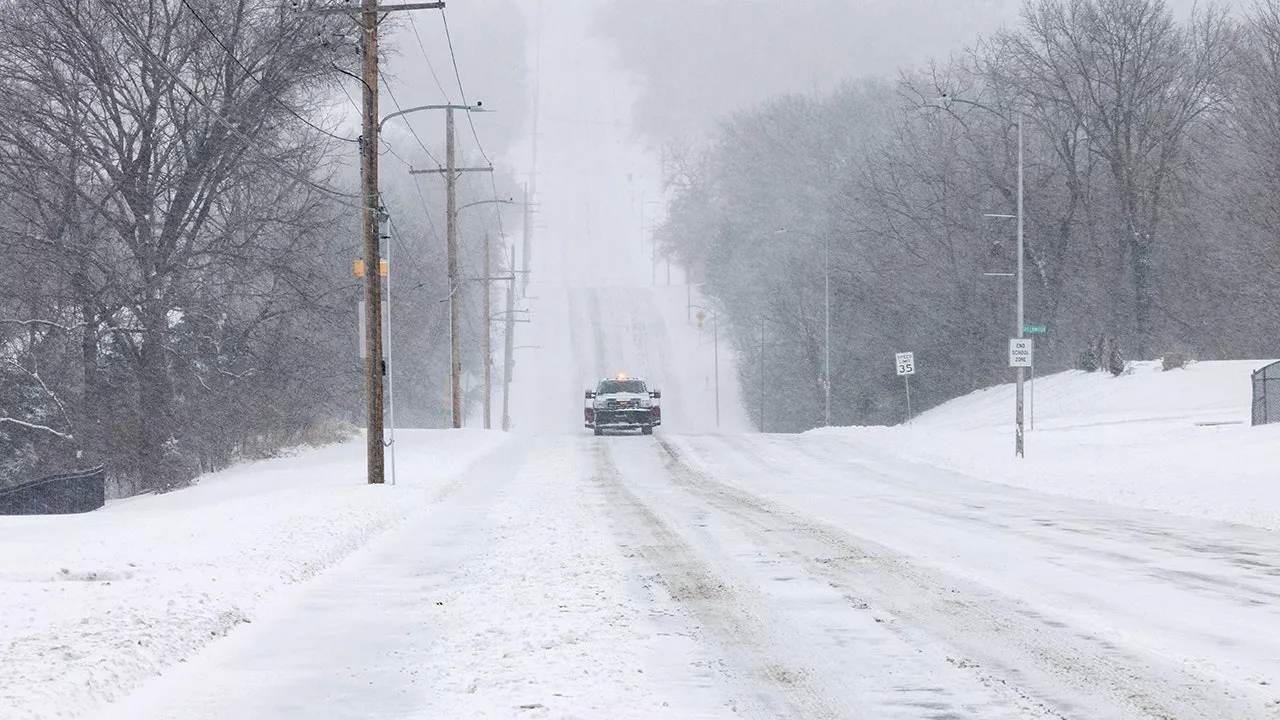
column 1266, row 383
column 66, row 494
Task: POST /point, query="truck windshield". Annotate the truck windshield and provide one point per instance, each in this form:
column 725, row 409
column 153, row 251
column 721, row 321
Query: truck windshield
column 609, row 387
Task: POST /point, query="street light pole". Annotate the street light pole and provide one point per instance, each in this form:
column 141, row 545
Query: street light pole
column 826, row 380
column 488, row 329
column 761, row 373
column 826, row 308
column 451, row 171
column 1018, row 441
column 715, row 342
column 1018, row 445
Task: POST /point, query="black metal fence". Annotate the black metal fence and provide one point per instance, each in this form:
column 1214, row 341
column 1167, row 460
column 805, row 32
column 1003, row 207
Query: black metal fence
column 78, row 492
column 1266, row 383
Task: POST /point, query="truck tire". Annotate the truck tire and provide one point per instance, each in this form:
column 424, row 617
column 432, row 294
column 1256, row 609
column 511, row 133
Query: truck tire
column 598, row 431
column 646, row 430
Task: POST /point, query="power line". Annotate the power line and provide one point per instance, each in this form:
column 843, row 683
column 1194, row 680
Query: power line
column 399, row 240
column 431, row 223
column 249, row 74
column 396, row 155
column 502, row 233
column 425, row 56
column 413, row 132
column 250, row 143
column 354, row 104
column 471, row 121
column 462, row 90
column 497, row 206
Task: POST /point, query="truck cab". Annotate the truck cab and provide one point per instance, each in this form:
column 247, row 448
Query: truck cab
column 622, row 403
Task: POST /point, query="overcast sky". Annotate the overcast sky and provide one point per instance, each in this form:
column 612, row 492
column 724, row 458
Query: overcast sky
column 616, row 76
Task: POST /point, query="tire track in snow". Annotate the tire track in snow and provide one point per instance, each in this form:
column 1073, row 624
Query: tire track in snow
column 1005, row 644
column 771, row 686
column 597, row 333
column 1252, row 584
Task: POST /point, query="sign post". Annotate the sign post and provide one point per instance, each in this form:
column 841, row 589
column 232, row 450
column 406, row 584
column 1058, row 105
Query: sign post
column 1021, row 356
column 906, row 362
column 1029, row 329
column 1022, row 353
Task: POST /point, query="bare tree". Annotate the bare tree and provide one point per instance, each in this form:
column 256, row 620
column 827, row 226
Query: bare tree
column 158, row 160
column 1133, row 81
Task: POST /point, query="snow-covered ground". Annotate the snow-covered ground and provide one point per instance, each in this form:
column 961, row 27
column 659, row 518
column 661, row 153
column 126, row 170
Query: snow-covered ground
column 693, row 574
column 92, row 605
column 1177, row 441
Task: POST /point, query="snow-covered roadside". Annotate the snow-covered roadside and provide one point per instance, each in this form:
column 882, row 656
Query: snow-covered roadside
column 1176, row 442
column 91, row 605
column 510, row 597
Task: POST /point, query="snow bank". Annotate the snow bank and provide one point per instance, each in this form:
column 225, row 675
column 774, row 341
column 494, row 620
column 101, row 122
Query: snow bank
column 91, row 605
column 1177, row 441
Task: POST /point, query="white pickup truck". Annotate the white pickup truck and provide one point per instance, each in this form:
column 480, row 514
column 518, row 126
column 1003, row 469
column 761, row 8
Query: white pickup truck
column 623, row 403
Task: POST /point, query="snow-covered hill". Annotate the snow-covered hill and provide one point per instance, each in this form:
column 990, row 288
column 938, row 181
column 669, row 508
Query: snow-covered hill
column 1176, row 441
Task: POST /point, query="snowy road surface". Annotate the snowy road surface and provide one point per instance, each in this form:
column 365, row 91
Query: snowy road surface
column 716, row 577
column 702, row 575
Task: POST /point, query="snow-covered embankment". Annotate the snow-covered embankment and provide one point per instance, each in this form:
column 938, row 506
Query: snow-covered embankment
column 91, row 605
column 1176, row 441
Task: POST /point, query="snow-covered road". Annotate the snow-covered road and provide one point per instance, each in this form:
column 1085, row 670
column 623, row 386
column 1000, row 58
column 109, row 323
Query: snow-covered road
column 697, row 574
column 787, row 578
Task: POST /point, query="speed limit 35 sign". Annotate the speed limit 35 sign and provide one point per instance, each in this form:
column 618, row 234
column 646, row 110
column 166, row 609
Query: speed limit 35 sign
column 906, row 362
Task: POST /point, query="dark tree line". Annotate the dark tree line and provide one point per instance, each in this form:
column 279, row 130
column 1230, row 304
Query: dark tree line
column 177, row 227
column 1151, row 156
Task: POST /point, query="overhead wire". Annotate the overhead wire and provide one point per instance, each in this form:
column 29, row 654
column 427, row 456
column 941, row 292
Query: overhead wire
column 462, row 90
column 427, row 57
column 391, row 94
column 398, row 238
column 435, row 233
column 249, row 74
column 354, row 104
column 352, row 200
column 470, row 121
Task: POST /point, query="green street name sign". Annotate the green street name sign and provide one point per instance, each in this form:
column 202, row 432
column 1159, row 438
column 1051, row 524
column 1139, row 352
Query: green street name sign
column 1034, row 329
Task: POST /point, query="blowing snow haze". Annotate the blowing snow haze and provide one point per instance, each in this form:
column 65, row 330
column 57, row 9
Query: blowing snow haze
column 822, row 359
column 695, row 61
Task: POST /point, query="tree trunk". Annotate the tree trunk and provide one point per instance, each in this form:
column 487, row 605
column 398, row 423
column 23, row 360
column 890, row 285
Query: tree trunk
column 155, row 416
column 1143, row 298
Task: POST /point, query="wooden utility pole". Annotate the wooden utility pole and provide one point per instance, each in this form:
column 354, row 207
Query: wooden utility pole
column 375, row 364
column 527, row 245
column 374, row 368
column 488, row 337
column 455, row 352
column 451, row 172
column 509, row 355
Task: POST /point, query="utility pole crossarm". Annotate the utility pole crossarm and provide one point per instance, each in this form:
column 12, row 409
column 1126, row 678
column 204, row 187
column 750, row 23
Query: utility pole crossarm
column 444, row 171
column 378, row 8
column 412, row 6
